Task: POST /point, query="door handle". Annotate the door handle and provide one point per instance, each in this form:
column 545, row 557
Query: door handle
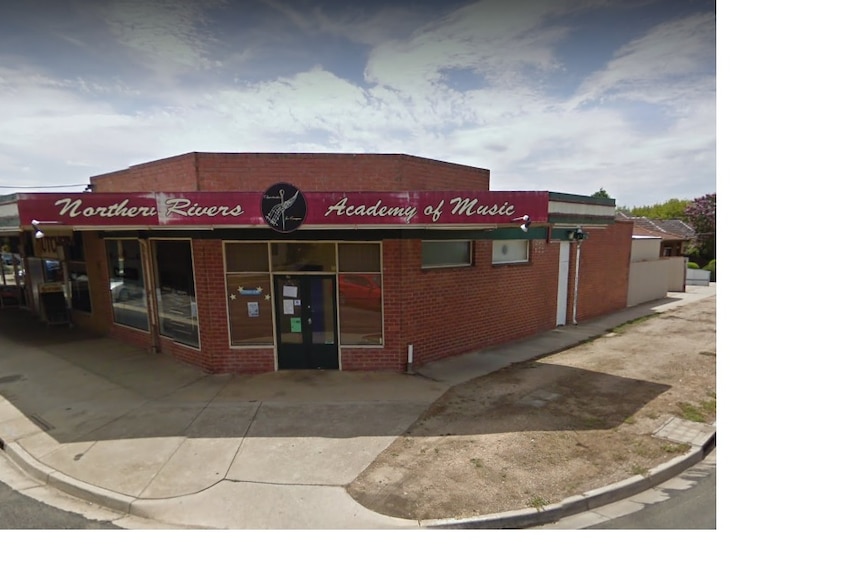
column 308, row 321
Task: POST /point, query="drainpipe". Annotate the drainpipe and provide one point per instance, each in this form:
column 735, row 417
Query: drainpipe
column 577, row 277
column 578, row 235
column 410, row 359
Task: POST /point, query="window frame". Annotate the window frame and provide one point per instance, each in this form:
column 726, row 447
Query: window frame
column 266, row 308
column 527, row 244
column 379, row 274
column 193, row 304
column 142, row 281
column 470, row 254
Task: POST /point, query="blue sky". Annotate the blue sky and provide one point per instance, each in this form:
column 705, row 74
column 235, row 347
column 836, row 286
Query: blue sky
column 560, row 95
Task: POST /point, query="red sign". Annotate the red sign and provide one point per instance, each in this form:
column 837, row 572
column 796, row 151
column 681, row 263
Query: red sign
column 243, row 209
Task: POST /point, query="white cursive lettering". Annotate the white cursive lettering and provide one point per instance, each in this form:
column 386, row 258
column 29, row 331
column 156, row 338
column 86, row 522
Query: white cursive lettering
column 73, row 208
column 468, row 207
column 377, row 209
column 189, row 209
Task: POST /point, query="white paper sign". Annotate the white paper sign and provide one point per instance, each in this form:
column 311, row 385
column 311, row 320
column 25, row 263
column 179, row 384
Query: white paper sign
column 288, row 307
column 289, row 291
column 253, row 309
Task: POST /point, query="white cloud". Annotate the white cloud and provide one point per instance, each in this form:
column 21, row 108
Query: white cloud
column 170, row 36
column 669, row 63
column 497, row 39
column 528, row 137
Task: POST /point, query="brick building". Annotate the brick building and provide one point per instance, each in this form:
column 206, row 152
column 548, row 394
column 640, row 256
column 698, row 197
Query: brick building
column 245, row 262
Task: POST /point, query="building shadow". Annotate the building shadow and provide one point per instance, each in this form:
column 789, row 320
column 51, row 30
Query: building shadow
column 80, row 388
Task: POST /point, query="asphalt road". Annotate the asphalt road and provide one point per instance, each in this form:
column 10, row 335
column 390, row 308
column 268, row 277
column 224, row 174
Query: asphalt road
column 18, row 511
column 684, row 502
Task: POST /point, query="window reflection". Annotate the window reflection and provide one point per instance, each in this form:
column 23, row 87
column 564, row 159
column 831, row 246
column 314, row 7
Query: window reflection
column 128, row 297
column 80, row 286
column 175, row 289
column 361, row 309
column 303, row 257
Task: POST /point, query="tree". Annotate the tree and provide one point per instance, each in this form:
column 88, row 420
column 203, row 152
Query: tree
column 601, row 194
column 700, row 215
column 670, row 210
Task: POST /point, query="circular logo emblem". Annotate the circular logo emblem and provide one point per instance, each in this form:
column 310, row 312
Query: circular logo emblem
column 283, row 207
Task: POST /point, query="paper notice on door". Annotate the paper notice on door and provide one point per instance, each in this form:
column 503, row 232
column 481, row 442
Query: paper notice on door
column 288, row 307
column 289, row 291
column 253, row 309
column 295, row 325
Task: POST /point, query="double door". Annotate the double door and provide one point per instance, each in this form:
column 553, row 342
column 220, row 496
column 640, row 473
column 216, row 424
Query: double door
column 306, row 322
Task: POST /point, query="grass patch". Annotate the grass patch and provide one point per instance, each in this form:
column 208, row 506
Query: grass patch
column 703, row 411
column 690, row 412
column 538, row 502
column 640, row 470
column 670, row 447
column 477, row 463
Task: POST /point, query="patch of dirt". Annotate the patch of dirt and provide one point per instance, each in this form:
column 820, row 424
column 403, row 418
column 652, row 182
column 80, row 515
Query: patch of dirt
column 538, row 432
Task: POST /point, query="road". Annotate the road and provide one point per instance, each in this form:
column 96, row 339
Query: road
column 684, row 502
column 18, row 511
column 27, row 504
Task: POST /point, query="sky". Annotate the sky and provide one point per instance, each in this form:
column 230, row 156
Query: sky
column 562, row 95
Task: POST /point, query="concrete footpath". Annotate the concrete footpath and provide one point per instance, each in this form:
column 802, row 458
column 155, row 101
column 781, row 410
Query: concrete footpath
column 149, row 437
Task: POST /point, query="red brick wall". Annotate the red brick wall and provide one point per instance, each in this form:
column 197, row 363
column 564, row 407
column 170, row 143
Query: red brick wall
column 445, row 312
column 176, row 174
column 309, row 172
column 604, row 272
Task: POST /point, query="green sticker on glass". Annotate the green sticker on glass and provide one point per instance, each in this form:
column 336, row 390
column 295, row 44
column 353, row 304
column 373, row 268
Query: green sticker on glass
column 295, row 325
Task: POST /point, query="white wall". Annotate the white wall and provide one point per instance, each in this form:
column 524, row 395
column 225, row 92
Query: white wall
column 676, row 269
column 647, row 281
column 645, row 248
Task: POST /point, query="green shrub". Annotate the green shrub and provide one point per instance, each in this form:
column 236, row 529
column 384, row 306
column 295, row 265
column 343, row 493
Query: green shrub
column 711, row 267
column 693, row 266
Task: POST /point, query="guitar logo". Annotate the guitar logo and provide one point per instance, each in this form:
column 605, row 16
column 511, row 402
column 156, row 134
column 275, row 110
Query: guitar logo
column 283, row 208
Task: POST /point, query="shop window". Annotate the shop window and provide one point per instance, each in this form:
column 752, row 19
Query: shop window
column 246, row 257
column 439, row 254
column 359, row 257
column 303, row 257
column 79, row 286
column 360, row 297
column 249, row 295
column 79, row 282
column 510, row 251
column 175, row 290
column 249, row 307
column 76, row 248
column 126, row 283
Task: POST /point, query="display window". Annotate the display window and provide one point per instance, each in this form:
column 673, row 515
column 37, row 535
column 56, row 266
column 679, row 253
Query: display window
column 126, row 283
column 249, row 293
column 360, row 297
column 175, row 291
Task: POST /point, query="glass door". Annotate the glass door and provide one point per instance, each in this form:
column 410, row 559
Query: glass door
column 306, row 322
